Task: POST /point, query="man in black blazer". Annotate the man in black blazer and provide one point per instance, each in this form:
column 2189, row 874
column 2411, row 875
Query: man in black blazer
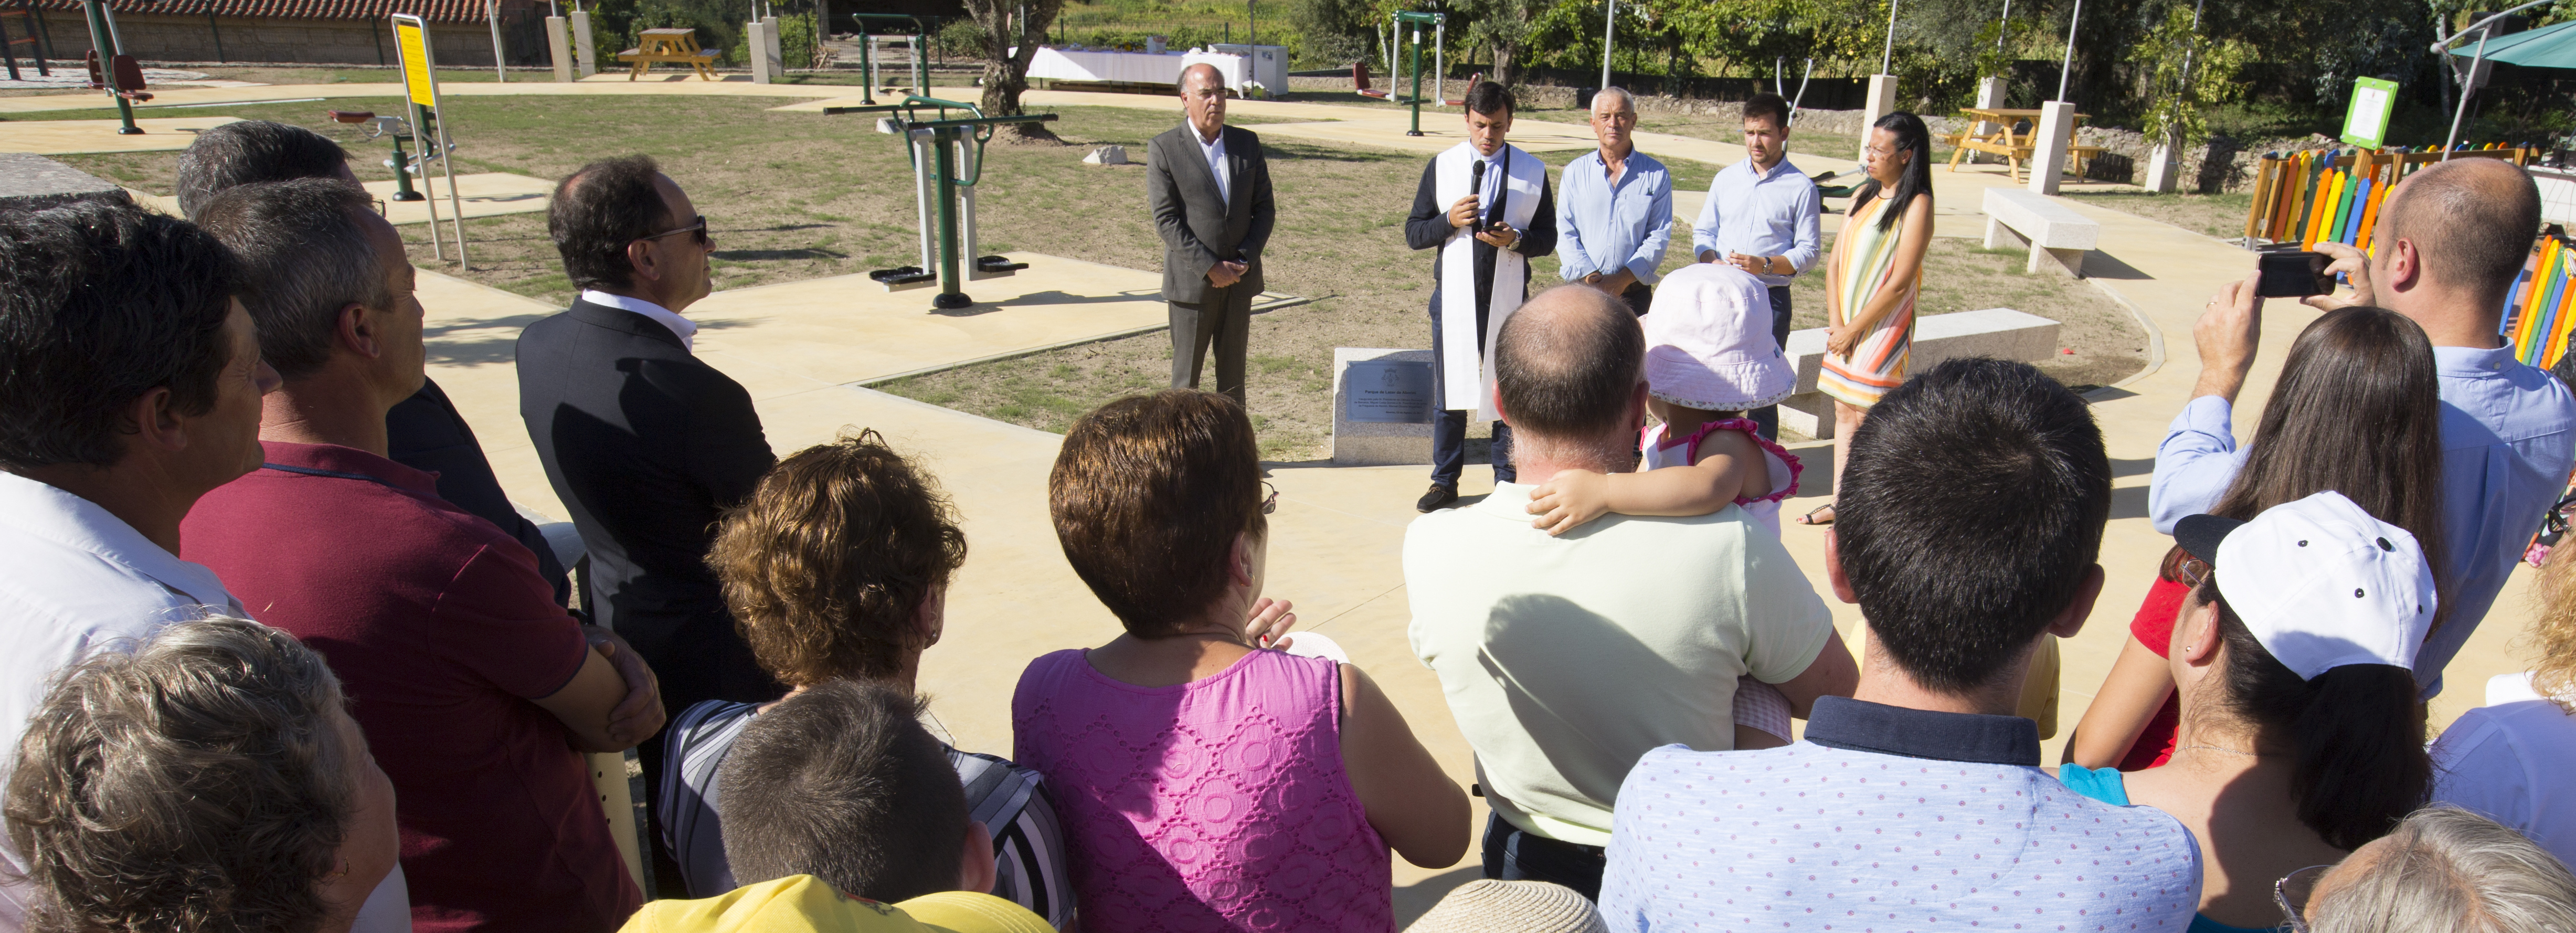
column 1210, row 189
column 645, row 443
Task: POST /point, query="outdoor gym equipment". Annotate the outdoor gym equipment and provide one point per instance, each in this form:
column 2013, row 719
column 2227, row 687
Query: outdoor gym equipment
column 110, row 69
column 402, row 164
column 1439, row 23
column 945, row 170
column 924, row 28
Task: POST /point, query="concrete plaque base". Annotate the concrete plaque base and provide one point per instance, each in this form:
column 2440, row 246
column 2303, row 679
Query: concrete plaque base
column 1367, row 443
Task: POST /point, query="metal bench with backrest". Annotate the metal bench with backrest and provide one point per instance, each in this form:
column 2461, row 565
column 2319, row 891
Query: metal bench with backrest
column 2055, row 234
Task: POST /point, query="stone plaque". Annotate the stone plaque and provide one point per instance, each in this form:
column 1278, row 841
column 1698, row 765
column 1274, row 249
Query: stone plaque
column 1387, row 392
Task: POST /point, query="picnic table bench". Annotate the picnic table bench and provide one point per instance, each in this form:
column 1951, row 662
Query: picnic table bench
column 2009, row 140
column 677, row 46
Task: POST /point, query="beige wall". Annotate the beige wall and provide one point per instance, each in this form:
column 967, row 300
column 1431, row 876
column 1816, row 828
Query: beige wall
column 246, row 39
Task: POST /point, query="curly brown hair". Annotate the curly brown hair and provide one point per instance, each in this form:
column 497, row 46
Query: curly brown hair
column 199, row 783
column 828, row 560
column 2553, row 628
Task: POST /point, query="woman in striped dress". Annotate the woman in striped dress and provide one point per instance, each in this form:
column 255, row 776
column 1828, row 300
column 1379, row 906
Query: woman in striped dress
column 1871, row 280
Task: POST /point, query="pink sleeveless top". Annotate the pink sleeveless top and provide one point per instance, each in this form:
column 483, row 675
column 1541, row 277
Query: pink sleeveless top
column 1219, row 804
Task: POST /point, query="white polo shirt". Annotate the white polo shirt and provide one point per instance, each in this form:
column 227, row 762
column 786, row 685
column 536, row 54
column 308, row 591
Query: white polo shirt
column 1565, row 659
column 2510, row 760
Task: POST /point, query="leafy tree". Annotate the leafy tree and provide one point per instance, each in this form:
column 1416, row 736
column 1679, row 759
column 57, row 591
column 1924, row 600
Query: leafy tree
column 2187, row 72
column 1010, row 41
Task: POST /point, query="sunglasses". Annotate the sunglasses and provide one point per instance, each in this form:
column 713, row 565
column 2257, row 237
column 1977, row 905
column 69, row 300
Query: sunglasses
column 2291, row 893
column 1269, row 503
column 697, row 231
column 2193, row 571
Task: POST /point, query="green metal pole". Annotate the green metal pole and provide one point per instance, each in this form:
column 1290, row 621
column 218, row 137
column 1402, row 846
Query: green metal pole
column 1417, row 82
column 921, row 58
column 402, row 173
column 952, row 285
column 104, row 39
column 867, row 68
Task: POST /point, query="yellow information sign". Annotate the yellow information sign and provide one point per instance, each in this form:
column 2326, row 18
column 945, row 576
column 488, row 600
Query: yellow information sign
column 412, row 40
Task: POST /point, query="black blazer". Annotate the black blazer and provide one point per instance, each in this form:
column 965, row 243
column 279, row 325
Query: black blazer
column 647, row 445
column 1199, row 228
column 426, row 433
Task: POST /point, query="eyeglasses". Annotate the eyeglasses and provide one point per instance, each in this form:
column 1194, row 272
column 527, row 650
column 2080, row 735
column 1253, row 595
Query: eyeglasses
column 1269, row 503
column 697, row 230
column 2292, row 893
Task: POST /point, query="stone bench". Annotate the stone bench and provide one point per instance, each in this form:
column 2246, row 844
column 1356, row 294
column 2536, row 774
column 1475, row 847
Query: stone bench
column 2002, row 333
column 2055, row 234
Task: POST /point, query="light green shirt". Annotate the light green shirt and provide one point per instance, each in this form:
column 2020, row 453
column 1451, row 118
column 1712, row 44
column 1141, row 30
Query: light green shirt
column 1565, row 659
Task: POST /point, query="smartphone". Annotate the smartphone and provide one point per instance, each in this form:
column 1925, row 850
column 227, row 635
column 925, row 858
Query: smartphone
column 2293, row 275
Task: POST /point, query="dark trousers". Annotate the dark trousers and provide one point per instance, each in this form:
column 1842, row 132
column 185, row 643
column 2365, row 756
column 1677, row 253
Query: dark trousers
column 1640, row 298
column 1222, row 318
column 1513, row 855
column 1767, row 418
column 1449, row 426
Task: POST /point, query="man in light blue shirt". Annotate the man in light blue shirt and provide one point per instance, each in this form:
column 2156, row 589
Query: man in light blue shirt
column 2453, row 238
column 1762, row 216
column 1614, row 208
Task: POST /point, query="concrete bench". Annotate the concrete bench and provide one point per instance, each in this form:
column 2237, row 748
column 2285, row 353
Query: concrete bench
column 2002, row 333
column 2055, row 234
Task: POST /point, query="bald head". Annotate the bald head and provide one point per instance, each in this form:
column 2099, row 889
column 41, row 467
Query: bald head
column 2471, row 220
column 1566, row 367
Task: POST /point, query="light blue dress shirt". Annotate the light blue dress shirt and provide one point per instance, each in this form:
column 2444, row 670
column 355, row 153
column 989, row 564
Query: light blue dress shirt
column 1603, row 225
column 1761, row 214
column 2508, row 440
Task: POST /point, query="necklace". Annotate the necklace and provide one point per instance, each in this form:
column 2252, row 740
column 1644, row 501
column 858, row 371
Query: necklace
column 2214, row 748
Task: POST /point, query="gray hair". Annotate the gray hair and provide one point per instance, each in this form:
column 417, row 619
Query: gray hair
column 199, row 783
column 306, row 252
column 2446, row 869
column 247, row 151
column 1614, row 89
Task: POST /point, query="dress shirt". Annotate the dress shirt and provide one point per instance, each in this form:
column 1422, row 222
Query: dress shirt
column 1887, row 817
column 2508, row 440
column 1758, row 213
column 685, row 329
column 2509, row 761
column 1215, row 153
column 1606, row 223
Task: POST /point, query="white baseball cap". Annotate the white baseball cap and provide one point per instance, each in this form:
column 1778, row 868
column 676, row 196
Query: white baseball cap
column 1708, row 341
column 2320, row 582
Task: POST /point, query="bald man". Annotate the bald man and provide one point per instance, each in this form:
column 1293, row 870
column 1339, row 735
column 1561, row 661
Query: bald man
column 1210, row 192
column 2451, row 240
column 1566, row 658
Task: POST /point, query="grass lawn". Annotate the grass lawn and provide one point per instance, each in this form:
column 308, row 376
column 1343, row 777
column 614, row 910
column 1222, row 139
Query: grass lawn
column 792, row 196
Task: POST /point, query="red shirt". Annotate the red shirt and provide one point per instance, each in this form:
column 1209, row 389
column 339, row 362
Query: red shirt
column 2153, row 627
column 442, row 632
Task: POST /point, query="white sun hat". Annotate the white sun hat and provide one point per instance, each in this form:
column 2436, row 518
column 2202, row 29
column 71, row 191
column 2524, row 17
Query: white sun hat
column 1708, row 341
column 2319, row 582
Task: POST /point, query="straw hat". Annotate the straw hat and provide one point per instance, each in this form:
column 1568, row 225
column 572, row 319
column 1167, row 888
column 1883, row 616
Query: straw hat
column 1708, row 341
column 1511, row 907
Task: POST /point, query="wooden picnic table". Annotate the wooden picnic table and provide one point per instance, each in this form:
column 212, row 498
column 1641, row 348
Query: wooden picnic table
column 2015, row 146
column 677, row 46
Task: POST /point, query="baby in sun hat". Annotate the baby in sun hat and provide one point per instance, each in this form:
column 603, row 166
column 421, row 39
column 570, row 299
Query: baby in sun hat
column 1709, row 360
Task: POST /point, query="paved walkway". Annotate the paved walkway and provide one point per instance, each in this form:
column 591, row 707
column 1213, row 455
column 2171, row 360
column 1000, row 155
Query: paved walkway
column 802, row 347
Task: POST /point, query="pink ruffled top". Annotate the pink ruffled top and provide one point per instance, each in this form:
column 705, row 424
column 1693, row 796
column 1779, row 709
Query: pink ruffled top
column 1219, row 804
column 1685, row 451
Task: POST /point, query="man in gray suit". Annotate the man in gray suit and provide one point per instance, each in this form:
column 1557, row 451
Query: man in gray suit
column 1210, row 189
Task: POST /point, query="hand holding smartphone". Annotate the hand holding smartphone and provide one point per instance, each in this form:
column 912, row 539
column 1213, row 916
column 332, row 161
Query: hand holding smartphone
column 2294, row 275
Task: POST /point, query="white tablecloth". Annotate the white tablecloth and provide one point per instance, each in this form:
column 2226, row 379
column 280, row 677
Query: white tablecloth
column 1134, row 67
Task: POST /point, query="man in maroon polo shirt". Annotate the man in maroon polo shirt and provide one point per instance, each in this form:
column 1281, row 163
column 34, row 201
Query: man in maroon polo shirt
column 476, row 691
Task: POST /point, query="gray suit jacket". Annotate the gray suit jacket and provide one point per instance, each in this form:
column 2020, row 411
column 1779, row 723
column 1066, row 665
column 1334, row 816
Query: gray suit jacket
column 1200, row 229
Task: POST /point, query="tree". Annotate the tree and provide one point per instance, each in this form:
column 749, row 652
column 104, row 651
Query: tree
column 1012, row 30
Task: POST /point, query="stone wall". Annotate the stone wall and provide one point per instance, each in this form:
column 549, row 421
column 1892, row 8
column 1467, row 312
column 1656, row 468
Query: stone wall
column 155, row 38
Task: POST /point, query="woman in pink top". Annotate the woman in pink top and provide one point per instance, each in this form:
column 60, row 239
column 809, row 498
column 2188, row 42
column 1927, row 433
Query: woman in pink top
column 1207, row 782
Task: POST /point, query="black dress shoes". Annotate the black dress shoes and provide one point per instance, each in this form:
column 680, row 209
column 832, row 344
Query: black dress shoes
column 1438, row 496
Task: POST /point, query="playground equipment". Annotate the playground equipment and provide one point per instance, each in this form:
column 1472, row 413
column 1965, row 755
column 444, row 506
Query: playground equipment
column 916, row 42
column 945, row 170
column 2334, row 196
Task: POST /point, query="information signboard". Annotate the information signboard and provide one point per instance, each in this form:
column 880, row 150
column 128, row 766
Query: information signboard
column 2366, row 123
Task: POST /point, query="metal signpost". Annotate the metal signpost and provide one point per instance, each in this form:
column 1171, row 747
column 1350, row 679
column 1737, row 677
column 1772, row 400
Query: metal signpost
column 420, row 93
column 945, row 170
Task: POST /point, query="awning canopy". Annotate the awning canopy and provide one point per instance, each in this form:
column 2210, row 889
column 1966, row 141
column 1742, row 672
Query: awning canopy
column 2545, row 47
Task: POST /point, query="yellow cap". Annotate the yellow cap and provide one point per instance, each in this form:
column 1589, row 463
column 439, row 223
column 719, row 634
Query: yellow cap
column 805, row 904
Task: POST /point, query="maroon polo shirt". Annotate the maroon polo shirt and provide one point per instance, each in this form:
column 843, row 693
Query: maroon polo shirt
column 442, row 633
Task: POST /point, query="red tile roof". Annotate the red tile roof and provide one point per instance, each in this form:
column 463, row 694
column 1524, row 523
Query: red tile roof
column 436, row 11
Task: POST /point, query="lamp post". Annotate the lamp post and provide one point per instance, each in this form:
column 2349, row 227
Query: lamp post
column 2066, row 67
column 1609, row 24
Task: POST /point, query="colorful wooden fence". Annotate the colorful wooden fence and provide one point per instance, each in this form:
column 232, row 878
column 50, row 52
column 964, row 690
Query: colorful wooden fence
column 2334, row 195
column 2536, row 311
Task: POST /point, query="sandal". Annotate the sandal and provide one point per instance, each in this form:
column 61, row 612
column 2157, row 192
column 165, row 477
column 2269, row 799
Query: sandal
column 1810, row 517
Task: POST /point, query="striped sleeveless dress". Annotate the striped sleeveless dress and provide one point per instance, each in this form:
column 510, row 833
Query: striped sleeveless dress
column 1877, row 362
